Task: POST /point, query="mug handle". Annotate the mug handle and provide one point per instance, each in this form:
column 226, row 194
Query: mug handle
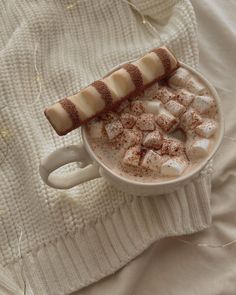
column 63, row 156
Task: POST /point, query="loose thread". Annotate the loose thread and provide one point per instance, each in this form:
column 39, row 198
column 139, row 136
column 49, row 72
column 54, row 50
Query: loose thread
column 21, row 263
column 38, row 76
column 205, row 244
column 144, row 19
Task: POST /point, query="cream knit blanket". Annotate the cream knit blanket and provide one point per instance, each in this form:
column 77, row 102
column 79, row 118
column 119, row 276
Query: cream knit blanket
column 70, row 239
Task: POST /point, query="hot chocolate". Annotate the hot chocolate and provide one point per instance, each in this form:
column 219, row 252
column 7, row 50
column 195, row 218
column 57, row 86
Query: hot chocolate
column 161, row 134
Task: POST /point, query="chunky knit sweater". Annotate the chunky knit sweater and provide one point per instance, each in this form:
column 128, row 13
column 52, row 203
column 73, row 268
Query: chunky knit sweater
column 62, row 241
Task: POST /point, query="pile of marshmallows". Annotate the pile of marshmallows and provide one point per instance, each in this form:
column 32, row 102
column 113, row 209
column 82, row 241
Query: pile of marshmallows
column 143, row 126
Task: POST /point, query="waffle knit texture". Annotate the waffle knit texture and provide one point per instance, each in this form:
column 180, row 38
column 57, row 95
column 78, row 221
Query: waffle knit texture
column 73, row 238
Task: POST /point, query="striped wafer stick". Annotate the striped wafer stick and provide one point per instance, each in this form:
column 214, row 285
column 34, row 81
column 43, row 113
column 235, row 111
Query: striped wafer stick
column 103, row 95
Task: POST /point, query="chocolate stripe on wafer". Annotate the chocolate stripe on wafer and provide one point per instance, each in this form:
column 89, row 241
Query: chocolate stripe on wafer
column 102, row 88
column 71, row 110
column 164, row 57
column 135, row 75
column 103, row 95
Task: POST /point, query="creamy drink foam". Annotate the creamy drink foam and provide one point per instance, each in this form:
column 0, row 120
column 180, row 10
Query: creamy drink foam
column 163, row 133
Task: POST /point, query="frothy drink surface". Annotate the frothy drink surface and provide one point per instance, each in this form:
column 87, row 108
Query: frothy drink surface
column 162, row 134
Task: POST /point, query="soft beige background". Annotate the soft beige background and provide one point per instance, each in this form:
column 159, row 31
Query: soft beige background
column 172, row 267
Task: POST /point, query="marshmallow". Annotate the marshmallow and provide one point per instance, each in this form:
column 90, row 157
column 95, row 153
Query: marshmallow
column 152, row 161
column 198, row 149
column 153, row 140
column 190, row 119
column 144, row 98
column 113, row 129
column 185, row 97
column 203, row 104
column 132, row 156
column 127, row 120
column 164, row 95
column 195, row 87
column 153, row 106
column 137, row 107
column 131, row 137
column 146, row 122
column 172, row 147
column 109, row 117
column 175, row 108
column 166, row 121
column 173, row 167
column 179, row 79
column 207, row 128
column 96, row 129
column 151, row 91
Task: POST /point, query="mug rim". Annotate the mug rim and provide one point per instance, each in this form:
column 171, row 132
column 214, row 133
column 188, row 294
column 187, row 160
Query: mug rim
column 199, row 167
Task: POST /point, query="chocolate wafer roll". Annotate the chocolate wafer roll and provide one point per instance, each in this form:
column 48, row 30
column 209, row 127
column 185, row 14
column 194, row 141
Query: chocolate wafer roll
column 103, row 95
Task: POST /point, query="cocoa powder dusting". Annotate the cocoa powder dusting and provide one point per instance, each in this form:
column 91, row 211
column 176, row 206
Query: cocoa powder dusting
column 71, row 110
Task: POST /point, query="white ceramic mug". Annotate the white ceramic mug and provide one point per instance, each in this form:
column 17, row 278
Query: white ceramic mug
column 92, row 167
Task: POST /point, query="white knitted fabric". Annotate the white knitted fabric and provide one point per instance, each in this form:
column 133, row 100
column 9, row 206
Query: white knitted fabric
column 73, row 238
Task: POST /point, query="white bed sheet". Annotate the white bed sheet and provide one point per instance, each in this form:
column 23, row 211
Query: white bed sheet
column 173, row 267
